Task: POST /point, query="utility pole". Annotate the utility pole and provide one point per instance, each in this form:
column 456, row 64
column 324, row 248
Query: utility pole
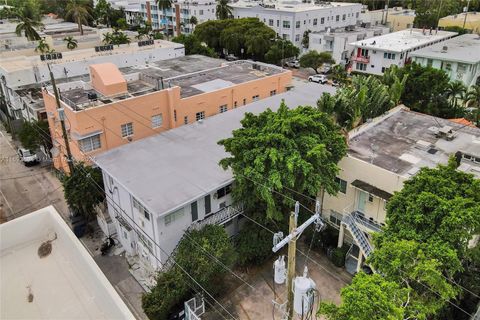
column 291, row 239
column 465, row 9
column 386, row 12
column 61, row 115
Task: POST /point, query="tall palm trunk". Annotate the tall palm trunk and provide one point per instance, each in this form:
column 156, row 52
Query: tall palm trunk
column 80, row 26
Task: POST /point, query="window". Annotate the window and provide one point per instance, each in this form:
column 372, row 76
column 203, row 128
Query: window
column 337, row 18
column 194, row 208
column 286, row 24
column 393, row 56
column 175, row 115
column 315, row 21
column 171, row 217
column 127, row 130
column 235, row 104
column 322, row 20
column 145, row 241
column 357, row 14
column 157, row 120
column 185, row 120
column 278, row 23
column 364, row 52
column 335, row 218
column 90, row 143
column 270, row 22
column 385, row 55
column 273, row 92
column 244, row 101
column 342, row 184
column 223, row 108
column 344, row 17
column 200, row 115
column 255, row 97
column 361, row 66
column 208, row 204
column 141, row 209
column 297, row 24
column 383, row 69
column 370, row 197
column 201, row 12
column 224, row 191
column 297, row 37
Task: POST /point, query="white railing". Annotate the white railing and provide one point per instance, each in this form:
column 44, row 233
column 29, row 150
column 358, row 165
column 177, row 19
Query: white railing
column 358, row 235
column 194, row 308
column 219, row 217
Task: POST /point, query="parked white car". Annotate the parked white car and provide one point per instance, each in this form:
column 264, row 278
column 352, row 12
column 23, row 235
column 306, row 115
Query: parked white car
column 293, row 64
column 27, row 156
column 318, row 78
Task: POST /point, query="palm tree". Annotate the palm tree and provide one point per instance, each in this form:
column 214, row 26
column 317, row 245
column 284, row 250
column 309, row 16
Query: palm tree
column 42, row 46
column 224, row 11
column 473, row 97
column 78, row 11
column 455, row 90
column 27, row 25
column 107, row 38
column 71, row 42
column 193, row 21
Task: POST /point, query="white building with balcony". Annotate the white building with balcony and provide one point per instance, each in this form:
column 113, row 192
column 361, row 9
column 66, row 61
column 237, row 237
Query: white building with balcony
column 161, row 186
column 382, row 155
column 338, row 41
column 290, row 19
column 375, row 55
column 179, row 15
column 459, row 57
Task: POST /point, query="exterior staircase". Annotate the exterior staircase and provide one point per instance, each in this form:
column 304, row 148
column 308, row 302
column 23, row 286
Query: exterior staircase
column 350, row 221
column 218, row 218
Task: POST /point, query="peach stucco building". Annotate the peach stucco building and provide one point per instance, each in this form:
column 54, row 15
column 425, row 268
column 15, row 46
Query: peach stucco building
column 119, row 106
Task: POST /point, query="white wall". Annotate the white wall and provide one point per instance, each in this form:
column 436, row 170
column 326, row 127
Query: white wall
column 466, row 73
column 305, row 18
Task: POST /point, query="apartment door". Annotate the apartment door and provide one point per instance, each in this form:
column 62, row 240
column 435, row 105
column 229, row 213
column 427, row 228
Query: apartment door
column 208, row 205
column 194, row 211
column 362, row 200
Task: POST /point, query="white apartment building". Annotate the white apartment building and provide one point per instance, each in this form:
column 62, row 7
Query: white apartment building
column 159, row 187
column 290, row 19
column 374, row 55
column 459, row 57
column 21, row 77
column 338, row 41
column 177, row 18
column 382, row 155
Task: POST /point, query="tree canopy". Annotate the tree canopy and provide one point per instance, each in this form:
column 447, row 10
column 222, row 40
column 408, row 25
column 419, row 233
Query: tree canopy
column 194, row 46
column 313, row 59
column 195, row 256
column 35, row 134
column 288, row 149
column 81, row 189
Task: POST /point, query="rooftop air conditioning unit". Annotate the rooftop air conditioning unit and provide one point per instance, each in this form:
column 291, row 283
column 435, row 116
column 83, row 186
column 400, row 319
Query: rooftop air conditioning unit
column 444, row 49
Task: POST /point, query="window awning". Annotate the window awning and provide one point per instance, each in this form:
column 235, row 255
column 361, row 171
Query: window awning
column 362, row 185
column 78, row 136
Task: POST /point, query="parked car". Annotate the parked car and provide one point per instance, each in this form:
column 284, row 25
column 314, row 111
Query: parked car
column 293, row 64
column 326, row 68
column 28, row 157
column 230, row 57
column 318, row 78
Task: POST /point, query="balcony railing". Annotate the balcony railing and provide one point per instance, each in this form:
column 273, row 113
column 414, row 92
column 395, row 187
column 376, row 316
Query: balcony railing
column 362, row 59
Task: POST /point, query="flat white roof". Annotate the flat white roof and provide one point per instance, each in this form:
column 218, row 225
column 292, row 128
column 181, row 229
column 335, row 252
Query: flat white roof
column 464, row 48
column 404, row 40
column 168, row 170
column 291, row 6
column 65, row 284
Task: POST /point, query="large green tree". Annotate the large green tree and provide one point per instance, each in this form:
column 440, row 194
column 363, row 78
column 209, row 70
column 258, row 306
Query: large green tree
column 102, row 12
column 313, row 59
column 279, row 151
column 427, row 12
column 280, row 50
column 194, row 46
column 201, row 254
column 81, row 189
column 35, row 134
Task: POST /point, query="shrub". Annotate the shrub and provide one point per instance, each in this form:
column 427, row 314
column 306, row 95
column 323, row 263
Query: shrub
column 338, row 256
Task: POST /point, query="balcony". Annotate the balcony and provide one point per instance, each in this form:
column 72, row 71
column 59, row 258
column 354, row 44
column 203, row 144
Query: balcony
column 362, row 59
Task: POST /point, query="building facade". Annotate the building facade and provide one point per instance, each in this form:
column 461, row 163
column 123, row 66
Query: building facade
column 21, row 77
column 396, row 18
column 178, row 18
column 117, row 107
column 161, row 186
column 375, row 168
column 375, row 55
column 470, row 22
column 459, row 57
column 338, row 41
column 291, row 20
